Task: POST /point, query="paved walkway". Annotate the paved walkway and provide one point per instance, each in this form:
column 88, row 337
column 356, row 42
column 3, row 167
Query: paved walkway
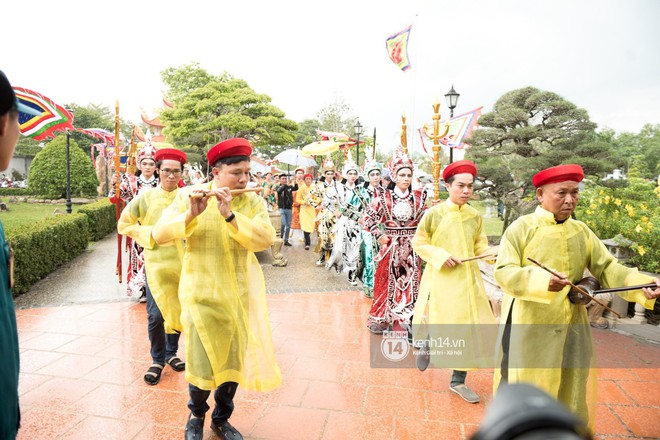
column 84, row 350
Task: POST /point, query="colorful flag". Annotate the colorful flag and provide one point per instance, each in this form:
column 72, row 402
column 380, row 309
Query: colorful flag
column 397, row 48
column 459, row 128
column 51, row 118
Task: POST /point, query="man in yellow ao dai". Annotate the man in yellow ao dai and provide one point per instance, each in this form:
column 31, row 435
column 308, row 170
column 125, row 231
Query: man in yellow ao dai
column 452, row 290
column 546, row 339
column 162, row 263
column 222, row 291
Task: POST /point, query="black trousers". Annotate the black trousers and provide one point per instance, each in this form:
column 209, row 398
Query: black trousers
column 224, row 401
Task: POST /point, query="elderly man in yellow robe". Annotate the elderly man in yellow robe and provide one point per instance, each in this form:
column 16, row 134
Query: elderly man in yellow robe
column 162, row 263
column 222, row 292
column 546, row 338
column 451, row 289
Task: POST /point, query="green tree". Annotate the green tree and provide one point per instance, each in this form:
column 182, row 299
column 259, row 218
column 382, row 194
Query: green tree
column 183, row 80
column 529, row 130
column 223, row 108
column 338, row 117
column 47, row 175
column 95, row 116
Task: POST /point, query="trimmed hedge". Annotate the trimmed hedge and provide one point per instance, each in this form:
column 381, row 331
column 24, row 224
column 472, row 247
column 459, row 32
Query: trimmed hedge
column 44, row 246
column 101, row 218
column 14, row 192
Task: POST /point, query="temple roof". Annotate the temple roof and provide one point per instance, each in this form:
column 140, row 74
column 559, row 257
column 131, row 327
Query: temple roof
column 155, row 122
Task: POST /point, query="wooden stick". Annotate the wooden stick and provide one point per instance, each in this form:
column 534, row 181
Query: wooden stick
column 625, row 288
column 578, row 288
column 234, row 192
column 478, row 257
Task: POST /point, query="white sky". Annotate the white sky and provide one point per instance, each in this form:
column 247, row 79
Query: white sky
column 602, row 55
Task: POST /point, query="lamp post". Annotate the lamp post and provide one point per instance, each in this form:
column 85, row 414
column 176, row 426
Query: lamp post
column 358, row 132
column 452, row 99
column 68, row 175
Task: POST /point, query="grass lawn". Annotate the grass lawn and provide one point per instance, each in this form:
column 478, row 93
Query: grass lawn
column 20, row 214
column 493, row 224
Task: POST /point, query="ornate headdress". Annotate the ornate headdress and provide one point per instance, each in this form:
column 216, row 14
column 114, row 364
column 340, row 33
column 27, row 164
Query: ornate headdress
column 371, row 165
column 328, row 164
column 399, row 160
column 349, row 165
column 146, row 151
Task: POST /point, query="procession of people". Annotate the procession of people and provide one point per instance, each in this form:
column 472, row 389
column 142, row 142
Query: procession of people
column 193, row 244
column 415, row 257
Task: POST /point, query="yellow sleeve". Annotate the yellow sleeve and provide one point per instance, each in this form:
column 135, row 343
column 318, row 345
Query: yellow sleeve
column 129, row 224
column 255, row 232
column 516, row 276
column 422, row 244
column 172, row 224
column 605, row 267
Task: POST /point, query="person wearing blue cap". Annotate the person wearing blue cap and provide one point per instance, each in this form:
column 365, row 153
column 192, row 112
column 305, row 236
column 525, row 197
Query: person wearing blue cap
column 10, row 416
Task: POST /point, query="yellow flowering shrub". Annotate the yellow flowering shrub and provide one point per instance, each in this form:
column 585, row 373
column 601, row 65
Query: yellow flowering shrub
column 628, row 211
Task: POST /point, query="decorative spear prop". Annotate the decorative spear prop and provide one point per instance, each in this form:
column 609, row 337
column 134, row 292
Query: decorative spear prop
column 404, row 134
column 578, row 288
column 118, row 204
column 436, row 136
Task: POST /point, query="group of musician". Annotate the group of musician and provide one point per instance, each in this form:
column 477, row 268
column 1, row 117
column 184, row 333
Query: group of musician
column 417, row 259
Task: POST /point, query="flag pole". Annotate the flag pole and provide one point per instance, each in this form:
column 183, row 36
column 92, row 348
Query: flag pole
column 118, row 269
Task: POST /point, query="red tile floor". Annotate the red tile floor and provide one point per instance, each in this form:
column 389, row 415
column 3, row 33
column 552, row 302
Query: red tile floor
column 82, row 368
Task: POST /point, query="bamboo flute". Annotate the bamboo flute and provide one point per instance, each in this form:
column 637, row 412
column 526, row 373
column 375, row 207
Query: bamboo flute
column 234, row 192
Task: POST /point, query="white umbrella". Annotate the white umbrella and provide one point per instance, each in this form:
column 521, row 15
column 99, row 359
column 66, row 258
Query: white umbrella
column 295, row 158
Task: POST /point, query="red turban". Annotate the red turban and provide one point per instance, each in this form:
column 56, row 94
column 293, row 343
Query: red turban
column 308, row 175
column 170, row 154
column 459, row 167
column 229, row 148
column 561, row 173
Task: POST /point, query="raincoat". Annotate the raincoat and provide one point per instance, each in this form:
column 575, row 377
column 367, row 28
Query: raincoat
column 454, row 295
column 307, row 211
column 555, row 353
column 222, row 292
column 162, row 263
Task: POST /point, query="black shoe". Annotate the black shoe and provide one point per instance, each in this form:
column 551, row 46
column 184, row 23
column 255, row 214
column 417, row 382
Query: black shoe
column 306, row 248
column 225, row 431
column 195, row 428
column 286, row 243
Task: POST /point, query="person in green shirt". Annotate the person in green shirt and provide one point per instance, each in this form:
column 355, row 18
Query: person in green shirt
column 10, row 416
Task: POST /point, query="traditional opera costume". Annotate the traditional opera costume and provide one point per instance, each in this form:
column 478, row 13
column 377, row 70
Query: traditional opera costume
column 399, row 266
column 131, row 185
column 325, row 195
column 369, row 246
column 546, row 339
column 346, row 248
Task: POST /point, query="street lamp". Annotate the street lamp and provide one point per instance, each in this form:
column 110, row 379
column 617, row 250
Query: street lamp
column 452, row 99
column 68, row 175
column 358, row 132
column 68, row 171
